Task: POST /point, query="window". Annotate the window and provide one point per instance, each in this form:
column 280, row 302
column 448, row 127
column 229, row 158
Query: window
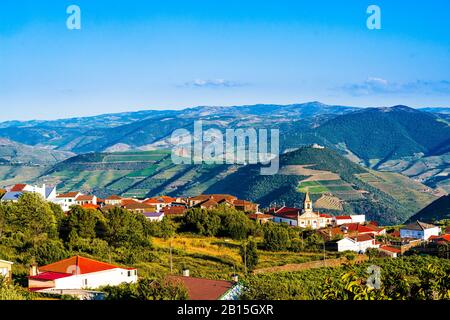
column 129, row 273
column 4, row 272
column 85, row 282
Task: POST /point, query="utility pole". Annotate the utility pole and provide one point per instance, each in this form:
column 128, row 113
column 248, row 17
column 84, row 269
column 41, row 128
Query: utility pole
column 245, row 258
column 171, row 264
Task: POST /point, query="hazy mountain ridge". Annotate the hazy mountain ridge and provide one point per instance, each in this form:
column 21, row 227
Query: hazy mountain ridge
column 437, row 210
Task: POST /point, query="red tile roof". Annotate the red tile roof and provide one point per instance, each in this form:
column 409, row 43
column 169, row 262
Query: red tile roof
column 356, row 227
column 174, row 210
column 68, row 195
column 49, row 276
column 256, row 216
column 363, row 237
column 128, row 201
column 85, row 198
column 18, row 187
column 138, row 206
column 443, row 238
column 161, row 199
column 90, row 206
column 343, row 218
column 77, row 265
column 391, row 249
column 203, row 289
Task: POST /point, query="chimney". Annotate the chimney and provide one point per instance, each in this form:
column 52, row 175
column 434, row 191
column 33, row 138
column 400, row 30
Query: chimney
column 235, row 278
column 185, row 272
column 34, row 270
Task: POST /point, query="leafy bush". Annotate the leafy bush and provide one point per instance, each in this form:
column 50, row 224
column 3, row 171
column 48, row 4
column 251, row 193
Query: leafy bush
column 148, row 289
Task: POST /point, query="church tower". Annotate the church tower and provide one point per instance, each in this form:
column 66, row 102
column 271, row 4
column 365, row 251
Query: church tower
column 307, row 205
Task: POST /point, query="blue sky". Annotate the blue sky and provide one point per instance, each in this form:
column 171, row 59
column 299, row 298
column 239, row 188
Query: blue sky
column 134, row 55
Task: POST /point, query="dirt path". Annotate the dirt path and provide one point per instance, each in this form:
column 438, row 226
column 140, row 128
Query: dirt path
column 310, row 265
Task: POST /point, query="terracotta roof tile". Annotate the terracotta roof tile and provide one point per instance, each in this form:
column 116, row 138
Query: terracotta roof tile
column 77, row 265
column 18, row 187
column 203, row 289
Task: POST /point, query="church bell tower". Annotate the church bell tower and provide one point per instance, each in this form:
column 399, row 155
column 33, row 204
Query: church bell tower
column 307, row 205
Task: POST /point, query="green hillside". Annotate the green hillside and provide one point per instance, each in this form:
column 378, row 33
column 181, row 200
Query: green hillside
column 438, row 210
column 385, row 197
column 308, row 168
column 388, row 133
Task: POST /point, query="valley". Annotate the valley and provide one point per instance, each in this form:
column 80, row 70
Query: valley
column 375, row 159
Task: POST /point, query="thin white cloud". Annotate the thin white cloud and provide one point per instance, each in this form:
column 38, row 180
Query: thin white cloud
column 214, row 83
column 374, row 86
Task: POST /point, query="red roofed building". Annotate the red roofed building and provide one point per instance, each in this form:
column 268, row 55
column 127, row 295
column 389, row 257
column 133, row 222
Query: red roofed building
column 207, row 289
column 304, row 218
column 444, row 238
column 174, row 211
column 356, row 228
column 113, row 200
column 358, row 243
column 85, row 199
column 67, row 200
column 390, row 251
column 160, row 202
column 260, row 217
column 18, row 187
column 79, row 273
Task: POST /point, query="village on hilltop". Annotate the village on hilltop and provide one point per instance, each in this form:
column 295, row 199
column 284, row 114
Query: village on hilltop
column 340, row 234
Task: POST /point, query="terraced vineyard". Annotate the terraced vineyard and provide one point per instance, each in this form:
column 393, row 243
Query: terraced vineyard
column 132, row 174
column 341, row 186
column 408, row 192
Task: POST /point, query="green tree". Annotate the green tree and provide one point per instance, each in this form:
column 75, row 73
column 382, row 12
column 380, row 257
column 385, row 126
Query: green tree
column 163, row 229
column 49, row 251
column 125, row 228
column 249, row 254
column 314, row 242
column 276, row 237
column 34, row 217
column 236, row 224
column 148, row 289
column 203, row 222
column 81, row 222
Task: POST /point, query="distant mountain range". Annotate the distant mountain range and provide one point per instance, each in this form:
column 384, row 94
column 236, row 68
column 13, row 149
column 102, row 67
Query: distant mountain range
column 399, row 139
column 15, row 153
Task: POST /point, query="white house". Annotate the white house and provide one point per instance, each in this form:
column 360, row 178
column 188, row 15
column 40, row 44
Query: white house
column 113, row 200
column 390, row 251
column 67, row 200
column 6, row 269
column 356, row 218
column 340, row 220
column 419, row 230
column 79, row 273
column 14, row 192
column 358, row 244
column 154, row 216
column 86, row 199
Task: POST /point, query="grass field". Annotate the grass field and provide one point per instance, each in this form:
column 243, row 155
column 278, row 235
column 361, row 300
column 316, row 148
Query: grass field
column 212, row 257
column 339, row 188
column 313, row 187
